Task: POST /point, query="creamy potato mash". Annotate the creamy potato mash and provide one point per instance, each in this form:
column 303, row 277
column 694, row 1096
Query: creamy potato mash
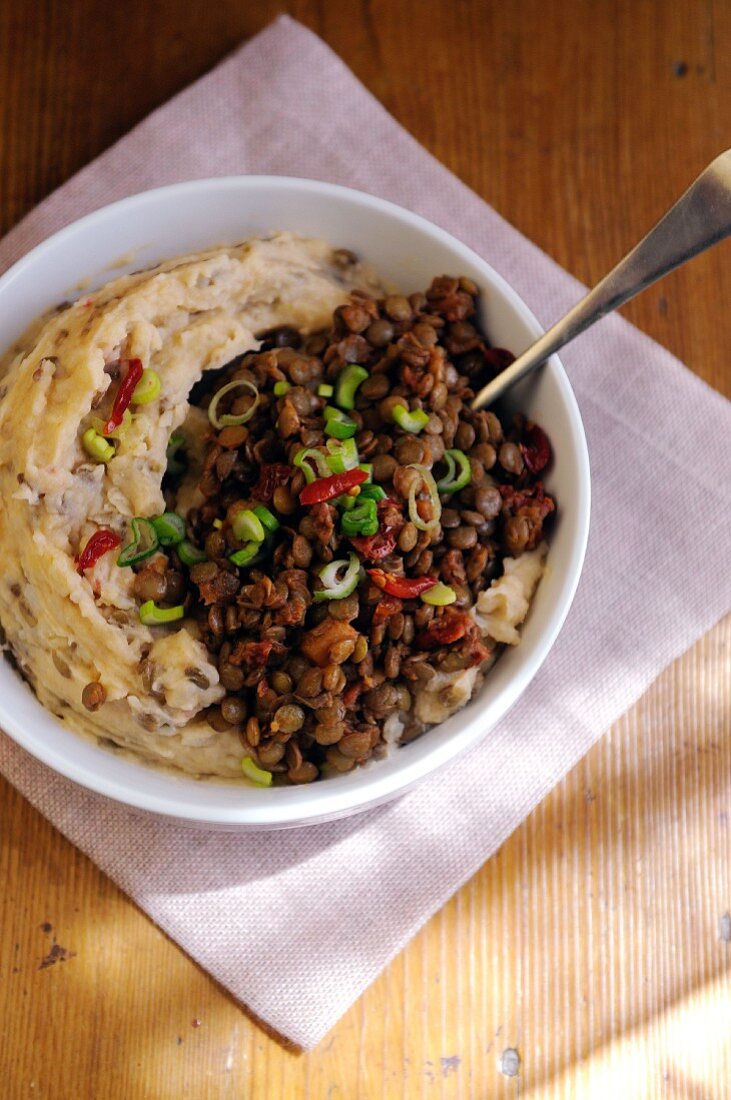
column 188, row 315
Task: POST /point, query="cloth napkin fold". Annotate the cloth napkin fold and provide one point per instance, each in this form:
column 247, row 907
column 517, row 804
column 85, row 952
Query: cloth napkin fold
column 339, row 900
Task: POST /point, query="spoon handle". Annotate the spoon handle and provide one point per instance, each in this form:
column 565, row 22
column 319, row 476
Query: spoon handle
column 701, row 217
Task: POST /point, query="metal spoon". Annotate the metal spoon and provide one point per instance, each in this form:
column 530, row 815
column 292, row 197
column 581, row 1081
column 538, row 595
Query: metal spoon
column 700, row 218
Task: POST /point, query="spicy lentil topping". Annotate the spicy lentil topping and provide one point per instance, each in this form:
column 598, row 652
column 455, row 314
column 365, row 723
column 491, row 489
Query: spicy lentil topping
column 352, row 510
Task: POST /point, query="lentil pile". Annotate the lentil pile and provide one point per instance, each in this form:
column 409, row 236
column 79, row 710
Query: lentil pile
column 354, row 509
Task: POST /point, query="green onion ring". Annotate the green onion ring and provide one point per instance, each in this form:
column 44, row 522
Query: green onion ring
column 247, row 526
column 436, row 503
column 143, row 531
column 170, row 528
column 152, row 615
column 255, row 774
column 323, row 466
column 226, row 419
column 190, row 554
column 454, row 481
column 338, row 589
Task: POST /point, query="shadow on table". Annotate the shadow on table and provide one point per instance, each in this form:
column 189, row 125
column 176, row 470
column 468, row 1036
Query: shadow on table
column 644, row 817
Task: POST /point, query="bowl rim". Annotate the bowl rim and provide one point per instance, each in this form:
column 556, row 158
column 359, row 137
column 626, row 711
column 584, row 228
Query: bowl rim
column 338, row 800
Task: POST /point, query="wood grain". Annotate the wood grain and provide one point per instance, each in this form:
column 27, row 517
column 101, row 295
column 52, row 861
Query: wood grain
column 596, row 943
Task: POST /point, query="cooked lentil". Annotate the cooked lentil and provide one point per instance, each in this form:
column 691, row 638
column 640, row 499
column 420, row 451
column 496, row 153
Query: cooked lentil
column 310, row 681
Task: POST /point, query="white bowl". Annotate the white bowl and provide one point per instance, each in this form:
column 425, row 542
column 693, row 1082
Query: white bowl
column 409, row 250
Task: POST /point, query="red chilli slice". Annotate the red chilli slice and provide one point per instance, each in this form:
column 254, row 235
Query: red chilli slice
column 327, row 488
column 100, row 543
column 124, row 395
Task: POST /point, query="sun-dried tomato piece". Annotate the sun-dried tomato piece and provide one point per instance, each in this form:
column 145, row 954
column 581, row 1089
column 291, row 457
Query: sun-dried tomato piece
column 524, row 511
column 473, row 647
column 445, row 297
column 535, row 448
column 351, row 693
column 379, row 546
column 254, row 655
column 449, row 628
column 386, row 607
column 221, row 587
column 498, row 359
column 270, row 477
column 531, row 496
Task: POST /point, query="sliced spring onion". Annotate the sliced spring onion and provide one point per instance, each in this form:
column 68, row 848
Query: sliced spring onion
column 340, row 429
column 96, row 446
column 325, row 390
column 144, row 541
column 176, row 466
column 455, row 480
column 348, row 381
column 343, row 455
column 367, row 468
column 218, row 524
column 336, row 584
column 247, row 555
column 346, row 502
column 361, row 520
column 190, row 554
column 247, row 526
column 147, row 389
column 152, row 615
column 256, row 775
column 280, row 388
column 170, row 528
column 372, row 492
column 227, row 419
column 338, row 423
column 267, row 519
column 441, row 595
column 301, row 461
column 436, row 504
column 410, row 421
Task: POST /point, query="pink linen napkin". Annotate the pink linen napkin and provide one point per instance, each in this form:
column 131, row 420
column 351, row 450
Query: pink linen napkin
column 339, row 900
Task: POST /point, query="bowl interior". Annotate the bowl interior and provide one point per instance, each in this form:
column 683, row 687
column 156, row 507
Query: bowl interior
column 147, row 228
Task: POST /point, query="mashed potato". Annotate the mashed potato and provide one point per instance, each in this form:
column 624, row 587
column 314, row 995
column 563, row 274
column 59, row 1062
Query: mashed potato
column 189, row 315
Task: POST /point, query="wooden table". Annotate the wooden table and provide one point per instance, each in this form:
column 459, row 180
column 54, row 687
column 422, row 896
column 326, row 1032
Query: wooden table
column 597, row 942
